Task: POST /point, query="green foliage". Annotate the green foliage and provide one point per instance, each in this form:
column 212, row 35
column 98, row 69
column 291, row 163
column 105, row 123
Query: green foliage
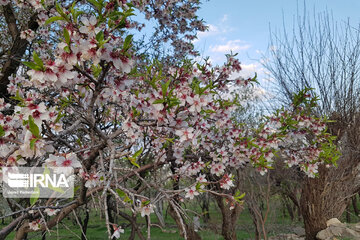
column 34, row 129
column 35, row 196
column 66, row 36
column 61, row 12
column 37, row 65
column 133, row 158
column 238, row 196
column 53, row 19
column 303, row 98
column 127, row 43
column 124, row 196
column 2, row 132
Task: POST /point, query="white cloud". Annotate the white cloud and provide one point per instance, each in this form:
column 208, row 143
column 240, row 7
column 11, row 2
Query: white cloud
column 225, row 18
column 232, row 45
column 247, row 71
column 219, row 29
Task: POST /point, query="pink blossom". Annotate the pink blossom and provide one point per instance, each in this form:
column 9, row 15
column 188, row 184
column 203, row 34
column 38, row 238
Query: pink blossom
column 147, row 210
column 185, row 134
column 27, row 34
column 117, row 231
column 89, row 26
column 51, row 211
column 35, row 225
column 226, row 182
column 191, row 192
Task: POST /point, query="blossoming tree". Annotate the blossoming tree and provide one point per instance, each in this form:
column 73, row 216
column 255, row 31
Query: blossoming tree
column 127, row 129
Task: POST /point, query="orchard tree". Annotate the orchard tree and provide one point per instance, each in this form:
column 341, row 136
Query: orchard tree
column 176, row 26
column 86, row 100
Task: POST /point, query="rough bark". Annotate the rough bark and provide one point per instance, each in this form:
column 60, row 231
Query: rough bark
column 134, row 226
column 205, row 203
column 84, row 225
column 354, row 204
column 322, row 198
column 229, row 218
column 289, row 208
column 17, row 50
column 189, row 228
column 9, row 228
column 256, row 223
column 159, row 212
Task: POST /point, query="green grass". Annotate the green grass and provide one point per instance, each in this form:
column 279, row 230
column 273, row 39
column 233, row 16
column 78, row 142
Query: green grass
column 277, row 223
column 97, row 229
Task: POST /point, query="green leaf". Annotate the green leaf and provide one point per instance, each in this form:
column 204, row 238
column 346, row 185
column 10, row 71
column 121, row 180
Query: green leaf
column 121, row 193
column 38, row 60
column 198, row 187
column 100, row 36
column 133, row 162
column 158, row 101
column 138, row 153
column 77, row 14
column 72, row 8
column 170, row 140
column 32, row 143
column 56, row 189
column 164, row 87
column 238, row 196
column 34, row 129
column 2, row 132
column 145, row 203
column 60, row 11
column 127, row 42
column 35, row 196
column 76, row 189
column 32, row 65
column 96, row 69
column 53, row 19
column 59, row 116
column 96, row 4
column 67, row 36
column 127, row 199
column 67, row 49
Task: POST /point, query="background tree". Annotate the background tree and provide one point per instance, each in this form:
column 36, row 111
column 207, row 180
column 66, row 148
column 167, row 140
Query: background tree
column 322, row 54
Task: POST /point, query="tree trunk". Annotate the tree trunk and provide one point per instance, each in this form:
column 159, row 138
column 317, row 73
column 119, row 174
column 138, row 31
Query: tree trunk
column 43, row 235
column 17, row 50
column 85, row 224
column 189, row 233
column 288, row 207
column 348, row 217
column 354, row 204
column 189, row 228
column 134, row 226
column 111, row 219
column 229, row 218
column 321, row 199
column 205, row 202
column 256, row 223
column 314, row 219
column 159, row 212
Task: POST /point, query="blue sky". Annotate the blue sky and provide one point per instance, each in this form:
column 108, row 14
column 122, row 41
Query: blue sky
column 243, row 26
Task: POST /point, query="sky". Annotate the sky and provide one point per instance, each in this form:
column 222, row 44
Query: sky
column 243, row 26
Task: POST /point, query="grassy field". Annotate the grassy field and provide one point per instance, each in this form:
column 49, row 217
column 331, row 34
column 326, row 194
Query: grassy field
column 68, row 229
column 277, row 223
